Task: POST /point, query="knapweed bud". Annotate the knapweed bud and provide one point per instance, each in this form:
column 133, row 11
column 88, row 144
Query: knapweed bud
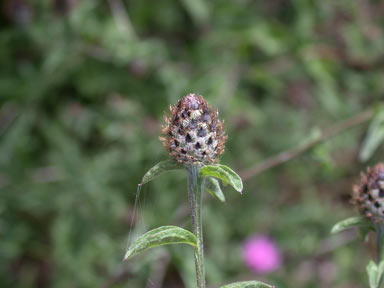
column 193, row 133
column 368, row 195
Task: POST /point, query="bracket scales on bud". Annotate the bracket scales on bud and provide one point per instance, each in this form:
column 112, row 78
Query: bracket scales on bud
column 368, row 195
column 193, row 133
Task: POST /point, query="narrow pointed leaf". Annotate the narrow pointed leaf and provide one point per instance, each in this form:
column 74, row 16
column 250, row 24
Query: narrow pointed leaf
column 375, row 136
column 235, row 179
column 164, row 235
column 373, row 275
column 159, row 169
column 248, row 284
column 225, row 174
column 213, row 188
column 364, row 231
column 380, row 272
column 198, row 10
column 358, row 221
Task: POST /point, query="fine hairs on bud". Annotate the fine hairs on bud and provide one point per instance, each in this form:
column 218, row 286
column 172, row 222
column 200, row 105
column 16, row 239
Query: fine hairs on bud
column 368, row 195
column 193, row 133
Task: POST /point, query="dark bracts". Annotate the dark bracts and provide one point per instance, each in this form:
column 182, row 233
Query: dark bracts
column 193, row 133
column 368, row 195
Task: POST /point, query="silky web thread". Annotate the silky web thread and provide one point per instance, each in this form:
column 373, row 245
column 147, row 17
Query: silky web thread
column 136, row 205
column 139, row 186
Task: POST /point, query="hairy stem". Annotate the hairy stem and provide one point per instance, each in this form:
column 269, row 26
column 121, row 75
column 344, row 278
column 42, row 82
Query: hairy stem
column 195, row 189
column 379, row 241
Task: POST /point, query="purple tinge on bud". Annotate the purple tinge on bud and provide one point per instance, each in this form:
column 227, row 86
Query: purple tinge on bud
column 368, row 195
column 193, row 133
column 261, row 254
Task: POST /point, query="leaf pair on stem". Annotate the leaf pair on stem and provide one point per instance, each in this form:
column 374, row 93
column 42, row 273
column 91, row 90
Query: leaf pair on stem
column 209, row 176
column 375, row 271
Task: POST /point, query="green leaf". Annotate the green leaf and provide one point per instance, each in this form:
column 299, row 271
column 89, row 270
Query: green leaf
column 213, row 188
column 247, row 284
column 372, row 271
column 375, row 136
column 358, row 221
column 198, row 10
column 364, row 231
column 375, row 274
column 380, row 272
column 164, row 235
column 159, row 169
column 225, row 174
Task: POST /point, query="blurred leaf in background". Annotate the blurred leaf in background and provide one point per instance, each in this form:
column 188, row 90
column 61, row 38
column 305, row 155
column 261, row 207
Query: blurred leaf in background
column 83, row 87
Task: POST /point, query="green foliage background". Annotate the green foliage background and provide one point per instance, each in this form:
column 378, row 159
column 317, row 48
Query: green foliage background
column 83, row 87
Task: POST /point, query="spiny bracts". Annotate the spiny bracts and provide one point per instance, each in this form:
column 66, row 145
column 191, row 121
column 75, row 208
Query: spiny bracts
column 368, row 195
column 193, row 133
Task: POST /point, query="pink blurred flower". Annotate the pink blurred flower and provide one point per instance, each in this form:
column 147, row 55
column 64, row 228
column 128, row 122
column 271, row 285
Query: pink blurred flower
column 261, row 254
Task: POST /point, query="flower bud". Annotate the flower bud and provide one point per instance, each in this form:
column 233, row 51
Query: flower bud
column 368, row 195
column 193, row 133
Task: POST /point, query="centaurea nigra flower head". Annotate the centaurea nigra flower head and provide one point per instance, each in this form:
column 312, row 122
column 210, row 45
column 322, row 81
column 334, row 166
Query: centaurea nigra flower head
column 368, row 195
column 193, row 133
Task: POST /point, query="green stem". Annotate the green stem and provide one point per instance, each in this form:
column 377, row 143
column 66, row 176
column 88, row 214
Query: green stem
column 379, row 241
column 379, row 246
column 195, row 189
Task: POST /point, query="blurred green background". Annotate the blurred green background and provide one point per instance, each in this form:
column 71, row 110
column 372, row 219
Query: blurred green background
column 84, row 86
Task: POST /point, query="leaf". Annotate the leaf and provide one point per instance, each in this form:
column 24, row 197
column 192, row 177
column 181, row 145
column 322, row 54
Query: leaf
column 380, row 272
column 364, row 230
column 225, row 174
column 198, row 10
column 375, row 273
column 236, row 181
column 358, row 221
column 375, row 136
column 213, row 187
column 159, row 169
column 247, row 284
column 372, row 271
column 164, row 235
